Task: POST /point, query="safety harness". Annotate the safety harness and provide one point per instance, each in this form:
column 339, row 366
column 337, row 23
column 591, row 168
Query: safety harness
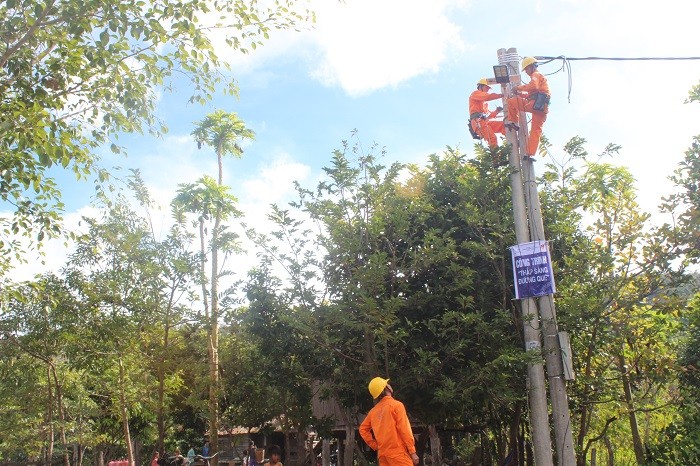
column 476, row 116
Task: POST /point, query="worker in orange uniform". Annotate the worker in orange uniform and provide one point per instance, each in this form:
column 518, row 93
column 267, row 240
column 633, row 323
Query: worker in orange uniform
column 386, row 428
column 480, row 117
column 533, row 98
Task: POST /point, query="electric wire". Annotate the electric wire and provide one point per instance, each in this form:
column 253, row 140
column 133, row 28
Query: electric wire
column 566, row 63
column 548, row 59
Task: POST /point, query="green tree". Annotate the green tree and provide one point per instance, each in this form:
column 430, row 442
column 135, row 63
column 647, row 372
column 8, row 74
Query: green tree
column 177, row 268
column 464, row 343
column 38, row 322
column 679, row 443
column 210, row 201
column 115, row 273
column 287, row 354
column 74, row 75
column 397, row 287
column 616, row 283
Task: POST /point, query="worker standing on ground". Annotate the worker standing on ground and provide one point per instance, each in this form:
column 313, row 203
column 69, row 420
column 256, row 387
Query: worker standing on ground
column 386, row 429
column 533, row 98
column 480, row 117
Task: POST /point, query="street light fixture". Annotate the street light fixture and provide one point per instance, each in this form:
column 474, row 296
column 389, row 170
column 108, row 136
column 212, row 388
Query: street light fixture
column 501, row 74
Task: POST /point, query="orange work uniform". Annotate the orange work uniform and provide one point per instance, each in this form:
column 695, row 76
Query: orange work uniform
column 537, row 85
column 484, row 126
column 387, row 430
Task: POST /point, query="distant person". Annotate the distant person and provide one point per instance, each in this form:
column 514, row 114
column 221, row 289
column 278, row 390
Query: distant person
column 533, row 98
column 275, row 456
column 244, row 462
column 177, row 459
column 205, row 449
column 156, row 459
column 386, row 429
column 252, row 460
column 190, row 456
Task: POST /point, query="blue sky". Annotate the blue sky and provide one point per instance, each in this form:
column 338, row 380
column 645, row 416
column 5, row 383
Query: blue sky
column 400, row 72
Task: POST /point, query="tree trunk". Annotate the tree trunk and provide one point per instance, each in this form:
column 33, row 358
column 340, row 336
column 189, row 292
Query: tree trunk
column 202, row 268
column 306, row 459
column 530, row 457
column 125, row 414
column 349, row 445
column 514, row 429
column 61, row 417
column 435, row 448
column 594, row 460
column 160, row 420
column 160, row 416
column 214, row 327
column 214, row 343
column 586, row 410
column 138, row 448
column 49, row 416
column 631, row 412
column 585, row 413
column 359, row 455
column 611, row 452
column 325, row 453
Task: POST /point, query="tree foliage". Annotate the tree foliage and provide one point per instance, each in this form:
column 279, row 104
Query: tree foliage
column 394, row 270
column 76, row 74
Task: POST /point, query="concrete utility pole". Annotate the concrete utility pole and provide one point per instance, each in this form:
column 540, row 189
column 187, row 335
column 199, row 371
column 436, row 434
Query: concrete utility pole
column 552, row 346
column 537, row 395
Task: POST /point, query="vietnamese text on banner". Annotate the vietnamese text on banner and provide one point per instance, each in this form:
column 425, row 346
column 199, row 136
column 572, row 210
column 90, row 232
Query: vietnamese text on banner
column 532, row 270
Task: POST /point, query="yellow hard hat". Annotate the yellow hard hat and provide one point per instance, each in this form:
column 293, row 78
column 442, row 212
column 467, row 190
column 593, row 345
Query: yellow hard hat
column 484, row 81
column 527, row 61
column 376, row 386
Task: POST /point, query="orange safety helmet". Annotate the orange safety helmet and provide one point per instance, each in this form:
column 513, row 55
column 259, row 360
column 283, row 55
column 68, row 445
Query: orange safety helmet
column 377, row 386
column 527, row 61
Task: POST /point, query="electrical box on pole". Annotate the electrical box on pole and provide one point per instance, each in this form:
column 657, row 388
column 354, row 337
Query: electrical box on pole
column 566, row 357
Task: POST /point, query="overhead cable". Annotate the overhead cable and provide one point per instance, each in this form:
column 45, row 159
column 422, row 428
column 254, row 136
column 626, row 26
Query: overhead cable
column 566, row 66
column 541, row 57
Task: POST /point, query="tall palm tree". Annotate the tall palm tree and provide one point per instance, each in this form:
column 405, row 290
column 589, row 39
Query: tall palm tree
column 222, row 131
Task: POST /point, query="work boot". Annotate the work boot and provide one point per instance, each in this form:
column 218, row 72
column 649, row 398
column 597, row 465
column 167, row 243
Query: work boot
column 511, row 125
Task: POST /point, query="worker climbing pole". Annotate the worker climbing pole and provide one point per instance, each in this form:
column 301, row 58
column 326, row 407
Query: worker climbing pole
column 532, row 98
column 528, row 228
column 482, row 122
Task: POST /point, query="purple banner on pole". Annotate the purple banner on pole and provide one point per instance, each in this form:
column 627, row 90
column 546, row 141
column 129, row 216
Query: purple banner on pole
column 532, row 270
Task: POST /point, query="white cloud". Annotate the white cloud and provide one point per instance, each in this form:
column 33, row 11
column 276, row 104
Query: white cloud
column 274, row 182
column 639, row 106
column 363, row 45
column 173, row 160
column 271, row 184
column 370, row 44
column 55, row 251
